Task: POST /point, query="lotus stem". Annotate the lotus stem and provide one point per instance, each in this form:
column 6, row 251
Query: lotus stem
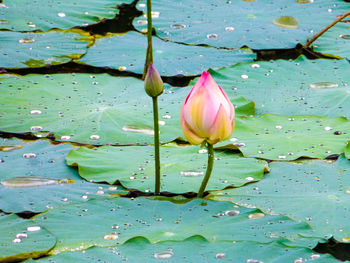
column 208, row 172
column 149, row 52
column 315, row 37
column 156, row 146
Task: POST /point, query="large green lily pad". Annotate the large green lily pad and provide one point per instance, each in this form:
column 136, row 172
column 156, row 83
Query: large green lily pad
column 276, row 137
column 233, row 24
column 157, row 221
column 93, row 109
column 298, row 87
column 35, row 158
column 22, row 50
column 22, row 239
column 127, row 52
column 35, row 178
column 336, row 41
column 42, row 198
column 182, row 168
column 19, row 15
column 317, row 192
column 193, row 249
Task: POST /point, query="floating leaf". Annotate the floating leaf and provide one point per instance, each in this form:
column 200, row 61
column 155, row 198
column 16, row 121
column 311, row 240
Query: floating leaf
column 158, row 221
column 22, row 50
column 127, row 52
column 317, row 192
column 290, row 137
column 298, row 87
column 21, row 239
column 44, row 181
column 233, row 24
column 93, row 109
column 19, row 15
column 193, row 249
column 183, row 168
column 36, row 158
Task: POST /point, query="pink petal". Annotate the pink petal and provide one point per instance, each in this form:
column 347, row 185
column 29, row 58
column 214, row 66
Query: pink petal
column 191, row 137
column 222, row 127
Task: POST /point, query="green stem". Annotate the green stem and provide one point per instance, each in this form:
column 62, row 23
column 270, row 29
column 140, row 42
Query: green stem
column 149, row 52
column 208, row 172
column 156, row 146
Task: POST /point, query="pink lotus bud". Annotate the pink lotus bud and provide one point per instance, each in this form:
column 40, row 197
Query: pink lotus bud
column 207, row 114
column 154, row 85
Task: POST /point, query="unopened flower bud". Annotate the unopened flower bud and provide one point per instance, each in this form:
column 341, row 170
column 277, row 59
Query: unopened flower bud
column 154, row 85
column 207, row 114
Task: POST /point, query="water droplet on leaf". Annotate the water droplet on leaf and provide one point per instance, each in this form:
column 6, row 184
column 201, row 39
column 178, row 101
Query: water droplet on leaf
column 35, row 112
column 26, row 40
column 254, row 261
column 163, row 255
column 33, row 228
column 256, row 215
column 138, row 129
column 212, row 36
column 178, row 26
column 232, row 213
column 36, row 128
column 286, row 22
column 21, row 235
column 220, row 255
column 29, row 155
column 347, row 37
column 29, row 181
column 323, row 85
column 17, row 240
column 110, row 237
column 191, row 173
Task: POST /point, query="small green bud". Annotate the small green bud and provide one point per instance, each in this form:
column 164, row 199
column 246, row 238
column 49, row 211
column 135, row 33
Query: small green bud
column 154, row 85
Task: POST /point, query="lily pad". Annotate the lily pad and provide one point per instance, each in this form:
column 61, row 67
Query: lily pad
column 35, row 158
column 35, row 178
column 276, row 137
column 313, row 87
column 22, row 239
column 22, row 50
column 157, row 221
column 19, row 15
column 92, row 109
column 193, row 249
column 317, row 192
column 182, row 168
column 127, row 52
column 336, row 41
column 233, row 24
